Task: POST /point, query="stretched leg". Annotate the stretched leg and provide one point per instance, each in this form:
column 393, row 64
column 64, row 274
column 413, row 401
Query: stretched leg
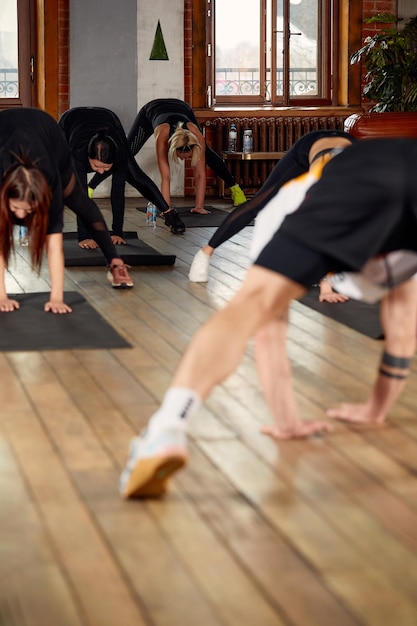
column 294, row 163
column 216, row 349
column 213, row 354
column 139, row 133
column 145, row 185
column 275, row 375
column 219, row 167
column 287, row 168
column 399, row 322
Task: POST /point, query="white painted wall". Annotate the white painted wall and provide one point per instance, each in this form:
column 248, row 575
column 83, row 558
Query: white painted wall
column 407, row 9
column 160, row 79
column 110, row 65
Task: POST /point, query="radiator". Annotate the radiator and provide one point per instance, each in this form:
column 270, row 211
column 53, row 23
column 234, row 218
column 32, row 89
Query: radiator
column 270, row 134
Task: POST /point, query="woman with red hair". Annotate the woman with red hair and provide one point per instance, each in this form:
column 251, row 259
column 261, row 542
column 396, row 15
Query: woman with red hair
column 37, row 179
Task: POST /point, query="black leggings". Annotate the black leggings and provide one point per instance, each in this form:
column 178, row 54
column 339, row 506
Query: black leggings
column 93, row 220
column 294, row 163
column 144, row 184
column 142, row 129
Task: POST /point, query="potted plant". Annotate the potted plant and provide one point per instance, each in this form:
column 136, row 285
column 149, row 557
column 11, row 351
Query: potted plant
column 390, row 58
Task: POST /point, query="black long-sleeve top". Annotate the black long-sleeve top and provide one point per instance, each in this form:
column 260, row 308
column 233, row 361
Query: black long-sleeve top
column 36, row 134
column 79, row 125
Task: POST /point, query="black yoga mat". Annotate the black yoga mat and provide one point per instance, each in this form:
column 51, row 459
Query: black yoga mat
column 30, row 328
column 360, row 316
column 135, row 252
column 195, row 220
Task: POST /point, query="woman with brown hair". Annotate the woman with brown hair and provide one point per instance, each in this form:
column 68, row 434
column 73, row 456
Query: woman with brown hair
column 98, row 143
column 37, row 178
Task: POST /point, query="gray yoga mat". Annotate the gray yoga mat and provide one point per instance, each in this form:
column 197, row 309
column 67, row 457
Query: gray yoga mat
column 360, row 316
column 30, row 328
column 135, row 252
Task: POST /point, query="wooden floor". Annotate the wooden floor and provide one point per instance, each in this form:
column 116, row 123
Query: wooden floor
column 315, row 533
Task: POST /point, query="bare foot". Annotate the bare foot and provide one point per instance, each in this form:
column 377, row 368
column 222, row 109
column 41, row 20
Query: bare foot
column 355, row 414
column 88, row 244
column 301, row 430
column 200, row 211
column 118, row 241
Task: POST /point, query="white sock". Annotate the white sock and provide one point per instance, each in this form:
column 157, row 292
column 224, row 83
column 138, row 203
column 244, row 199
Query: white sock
column 178, row 405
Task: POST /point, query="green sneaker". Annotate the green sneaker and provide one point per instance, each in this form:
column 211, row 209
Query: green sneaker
column 238, row 196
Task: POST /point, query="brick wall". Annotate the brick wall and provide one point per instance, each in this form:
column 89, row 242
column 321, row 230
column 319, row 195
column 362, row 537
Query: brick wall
column 370, row 8
column 63, row 55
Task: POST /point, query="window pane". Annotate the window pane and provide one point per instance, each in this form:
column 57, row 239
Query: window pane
column 303, row 47
column 237, row 47
column 9, row 85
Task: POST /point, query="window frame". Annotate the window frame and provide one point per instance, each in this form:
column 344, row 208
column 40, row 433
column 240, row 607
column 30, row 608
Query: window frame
column 327, row 25
column 343, row 79
column 25, row 19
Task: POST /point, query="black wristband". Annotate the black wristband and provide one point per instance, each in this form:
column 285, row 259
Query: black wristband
column 395, row 361
column 391, row 375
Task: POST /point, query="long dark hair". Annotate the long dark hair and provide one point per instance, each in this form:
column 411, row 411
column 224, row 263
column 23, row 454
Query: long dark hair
column 102, row 147
column 25, row 182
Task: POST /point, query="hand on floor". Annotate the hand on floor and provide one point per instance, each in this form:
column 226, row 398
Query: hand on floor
column 88, row 244
column 332, row 297
column 118, row 241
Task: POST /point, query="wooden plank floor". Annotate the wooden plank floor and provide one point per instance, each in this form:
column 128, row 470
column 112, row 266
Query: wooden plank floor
column 315, row 533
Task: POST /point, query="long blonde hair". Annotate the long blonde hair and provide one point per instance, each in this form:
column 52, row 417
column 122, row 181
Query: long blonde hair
column 184, row 138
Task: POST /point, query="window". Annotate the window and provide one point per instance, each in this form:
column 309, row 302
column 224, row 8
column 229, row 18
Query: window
column 16, row 61
column 270, row 52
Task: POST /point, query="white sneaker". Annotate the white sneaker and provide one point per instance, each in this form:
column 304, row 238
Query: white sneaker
column 199, row 270
column 153, row 459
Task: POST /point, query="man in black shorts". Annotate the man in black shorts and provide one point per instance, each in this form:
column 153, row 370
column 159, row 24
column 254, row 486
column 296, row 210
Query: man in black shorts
column 359, row 217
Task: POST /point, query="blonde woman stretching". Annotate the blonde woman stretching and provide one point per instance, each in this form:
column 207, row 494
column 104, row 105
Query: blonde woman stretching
column 178, row 135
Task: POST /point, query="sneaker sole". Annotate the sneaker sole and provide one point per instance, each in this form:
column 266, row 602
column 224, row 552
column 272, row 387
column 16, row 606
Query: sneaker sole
column 150, row 476
column 121, row 286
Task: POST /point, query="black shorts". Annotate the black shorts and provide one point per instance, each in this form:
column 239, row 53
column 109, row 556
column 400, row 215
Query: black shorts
column 365, row 204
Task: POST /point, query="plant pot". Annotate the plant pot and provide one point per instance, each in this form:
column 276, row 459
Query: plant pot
column 373, row 125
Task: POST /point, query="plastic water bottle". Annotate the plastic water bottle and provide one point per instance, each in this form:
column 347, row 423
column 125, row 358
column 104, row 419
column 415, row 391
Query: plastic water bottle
column 23, row 236
column 232, row 138
column 151, row 215
column 247, row 141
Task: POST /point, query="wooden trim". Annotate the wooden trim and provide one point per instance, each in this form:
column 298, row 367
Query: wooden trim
column 47, row 20
column 252, row 156
column 52, row 56
column 199, row 54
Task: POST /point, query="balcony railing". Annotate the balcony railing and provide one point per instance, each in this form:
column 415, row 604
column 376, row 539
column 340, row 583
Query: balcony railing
column 235, row 81
column 9, row 83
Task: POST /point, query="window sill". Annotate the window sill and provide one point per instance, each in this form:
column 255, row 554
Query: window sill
column 256, row 111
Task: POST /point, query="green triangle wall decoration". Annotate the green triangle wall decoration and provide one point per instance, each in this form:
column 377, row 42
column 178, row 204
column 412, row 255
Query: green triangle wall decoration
column 159, row 51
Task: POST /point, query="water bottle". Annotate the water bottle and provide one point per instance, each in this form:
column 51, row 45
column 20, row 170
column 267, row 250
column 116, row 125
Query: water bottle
column 232, row 138
column 151, row 215
column 23, row 236
column 247, row 141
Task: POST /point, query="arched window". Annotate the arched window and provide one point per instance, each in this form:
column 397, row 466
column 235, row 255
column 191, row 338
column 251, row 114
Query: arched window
column 272, row 52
